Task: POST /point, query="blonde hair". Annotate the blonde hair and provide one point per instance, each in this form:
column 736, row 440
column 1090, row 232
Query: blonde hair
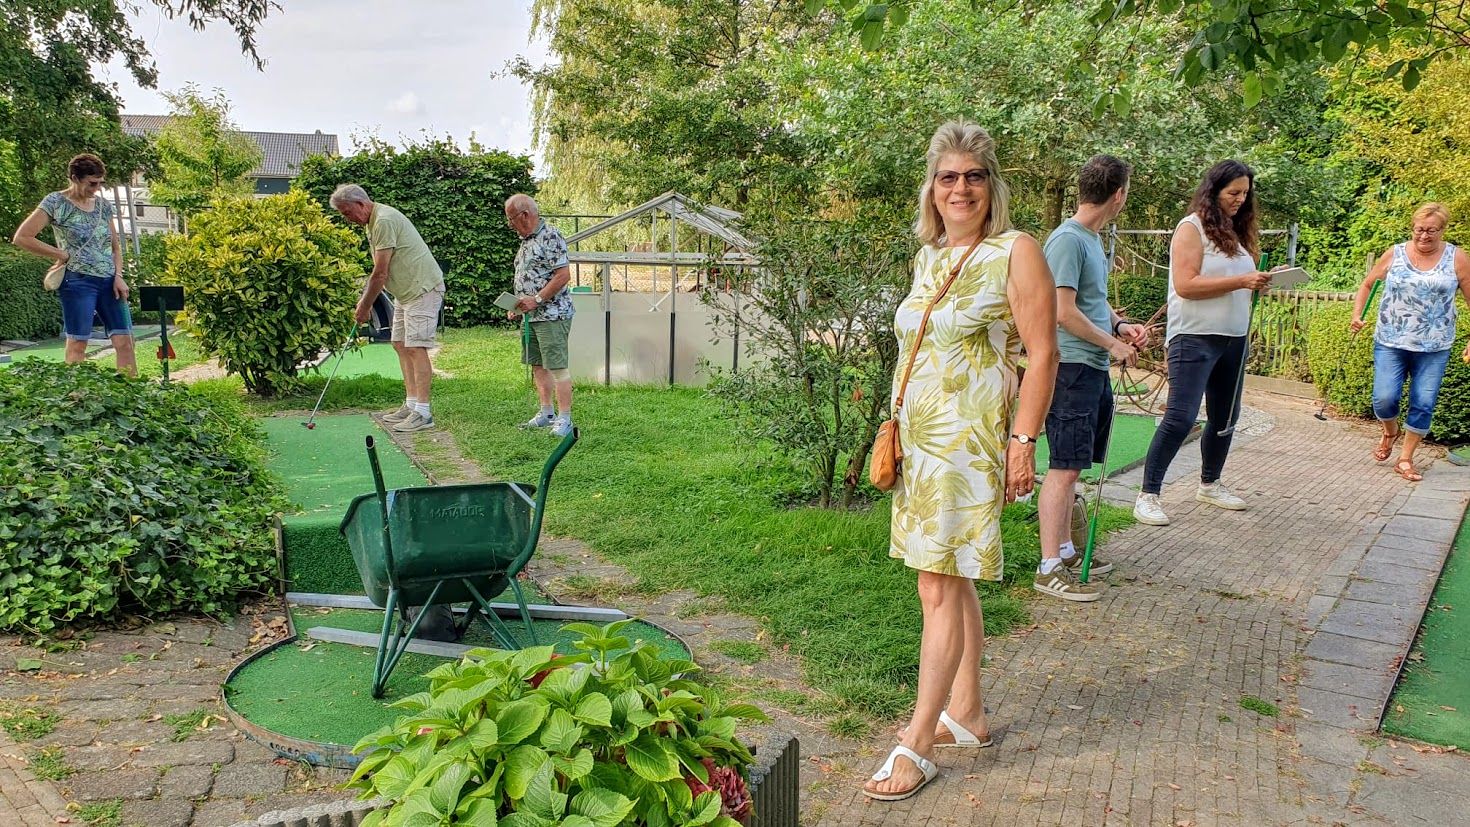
column 962, row 138
column 1432, row 208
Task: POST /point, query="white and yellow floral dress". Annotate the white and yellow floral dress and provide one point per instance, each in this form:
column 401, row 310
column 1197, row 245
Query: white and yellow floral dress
column 956, row 418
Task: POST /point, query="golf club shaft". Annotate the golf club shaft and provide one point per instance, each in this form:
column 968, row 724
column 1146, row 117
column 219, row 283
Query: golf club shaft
column 1102, row 476
column 1244, row 356
column 1342, row 360
column 341, row 352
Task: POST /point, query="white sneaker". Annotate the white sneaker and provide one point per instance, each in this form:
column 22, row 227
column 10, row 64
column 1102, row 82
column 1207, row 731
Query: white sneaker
column 561, row 427
column 411, row 423
column 1218, row 495
column 1149, row 511
column 540, row 420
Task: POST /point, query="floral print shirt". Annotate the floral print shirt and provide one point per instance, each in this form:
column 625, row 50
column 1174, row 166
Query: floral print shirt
column 542, row 253
column 85, row 236
column 1417, row 311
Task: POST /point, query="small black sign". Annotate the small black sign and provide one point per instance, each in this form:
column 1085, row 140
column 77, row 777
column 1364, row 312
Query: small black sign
column 172, row 298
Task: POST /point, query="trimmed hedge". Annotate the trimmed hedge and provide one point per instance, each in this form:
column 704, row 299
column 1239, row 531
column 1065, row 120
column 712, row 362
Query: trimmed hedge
column 455, row 199
column 27, row 311
column 1138, row 297
column 121, row 496
column 1328, row 338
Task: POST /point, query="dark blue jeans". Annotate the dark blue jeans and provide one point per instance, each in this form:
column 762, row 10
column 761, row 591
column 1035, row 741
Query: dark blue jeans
column 1199, row 366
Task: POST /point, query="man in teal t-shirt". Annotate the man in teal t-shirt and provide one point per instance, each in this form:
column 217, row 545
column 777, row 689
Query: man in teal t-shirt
column 1089, row 334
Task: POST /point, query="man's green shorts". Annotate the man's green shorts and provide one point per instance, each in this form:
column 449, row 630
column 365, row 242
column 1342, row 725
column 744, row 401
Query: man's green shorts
column 547, row 346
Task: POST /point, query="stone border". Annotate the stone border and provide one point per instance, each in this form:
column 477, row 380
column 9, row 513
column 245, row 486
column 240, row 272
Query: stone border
column 1369, row 605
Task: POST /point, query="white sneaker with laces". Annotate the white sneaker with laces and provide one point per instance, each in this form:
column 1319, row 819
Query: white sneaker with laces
column 540, row 420
column 1218, row 495
column 1149, row 511
column 561, row 427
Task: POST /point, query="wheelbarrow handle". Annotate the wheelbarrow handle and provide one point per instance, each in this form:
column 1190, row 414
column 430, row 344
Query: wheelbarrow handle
column 383, row 504
column 542, row 488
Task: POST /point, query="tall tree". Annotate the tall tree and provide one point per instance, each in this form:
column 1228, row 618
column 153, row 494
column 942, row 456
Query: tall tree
column 655, row 95
column 1256, row 40
column 202, row 155
column 51, row 106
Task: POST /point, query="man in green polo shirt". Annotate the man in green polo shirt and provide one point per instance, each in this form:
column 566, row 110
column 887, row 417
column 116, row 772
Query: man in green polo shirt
column 403, row 265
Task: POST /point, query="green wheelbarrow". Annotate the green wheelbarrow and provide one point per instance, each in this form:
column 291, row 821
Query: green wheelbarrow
column 444, row 544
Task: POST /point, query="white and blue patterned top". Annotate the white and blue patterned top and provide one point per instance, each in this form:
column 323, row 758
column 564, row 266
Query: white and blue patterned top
column 1418, row 308
column 85, row 236
column 542, row 253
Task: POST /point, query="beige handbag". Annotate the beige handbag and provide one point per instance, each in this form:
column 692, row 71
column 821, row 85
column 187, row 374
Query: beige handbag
column 54, row 274
column 887, row 458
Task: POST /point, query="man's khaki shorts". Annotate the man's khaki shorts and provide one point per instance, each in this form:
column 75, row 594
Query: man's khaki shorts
column 548, row 344
column 414, row 322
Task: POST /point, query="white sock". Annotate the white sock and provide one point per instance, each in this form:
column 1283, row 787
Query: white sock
column 565, row 416
column 546, row 410
column 423, row 409
column 410, row 402
column 1048, row 564
column 1068, row 550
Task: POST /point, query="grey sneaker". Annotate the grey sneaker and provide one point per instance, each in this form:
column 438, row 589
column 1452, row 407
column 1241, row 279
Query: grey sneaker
column 561, row 427
column 1099, row 566
column 413, row 422
column 399, row 415
column 1218, row 495
column 1063, row 583
column 1148, row 511
column 540, row 420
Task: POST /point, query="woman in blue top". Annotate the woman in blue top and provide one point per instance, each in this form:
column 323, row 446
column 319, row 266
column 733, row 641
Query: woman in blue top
column 87, row 245
column 1416, row 329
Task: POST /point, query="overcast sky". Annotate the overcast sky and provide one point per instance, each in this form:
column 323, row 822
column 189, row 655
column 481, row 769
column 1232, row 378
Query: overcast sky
column 356, row 66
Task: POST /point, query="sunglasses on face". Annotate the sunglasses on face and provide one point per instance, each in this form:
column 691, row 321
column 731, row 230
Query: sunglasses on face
column 949, row 177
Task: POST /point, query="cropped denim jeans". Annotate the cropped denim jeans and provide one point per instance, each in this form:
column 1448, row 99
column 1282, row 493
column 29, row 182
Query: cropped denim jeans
column 1424, row 372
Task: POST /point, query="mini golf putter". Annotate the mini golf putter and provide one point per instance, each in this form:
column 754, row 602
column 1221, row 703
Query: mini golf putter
column 1240, row 379
column 310, row 423
column 1321, row 413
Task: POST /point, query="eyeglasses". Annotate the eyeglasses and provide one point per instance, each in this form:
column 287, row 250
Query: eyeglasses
column 1429, row 231
column 973, row 177
column 510, row 220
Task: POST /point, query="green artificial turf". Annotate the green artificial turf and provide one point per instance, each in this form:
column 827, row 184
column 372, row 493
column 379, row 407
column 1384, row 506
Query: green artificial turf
column 376, row 359
column 324, row 469
column 1432, row 700
column 322, row 691
column 1131, row 437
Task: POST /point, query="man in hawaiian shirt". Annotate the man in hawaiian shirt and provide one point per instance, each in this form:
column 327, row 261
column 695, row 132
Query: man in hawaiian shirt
column 541, row 281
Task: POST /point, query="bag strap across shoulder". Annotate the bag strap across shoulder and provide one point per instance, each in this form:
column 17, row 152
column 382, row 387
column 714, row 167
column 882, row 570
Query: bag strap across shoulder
column 914, row 354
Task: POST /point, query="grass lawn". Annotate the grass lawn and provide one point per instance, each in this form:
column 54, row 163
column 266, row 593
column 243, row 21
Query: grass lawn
column 660, row 485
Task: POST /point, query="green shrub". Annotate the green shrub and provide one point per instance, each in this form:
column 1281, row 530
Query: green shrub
column 456, row 201
column 513, row 738
column 122, row 496
column 1138, row 297
column 269, row 282
column 27, row 311
column 1352, row 394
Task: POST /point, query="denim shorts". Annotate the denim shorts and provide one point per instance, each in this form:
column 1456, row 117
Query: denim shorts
column 81, row 297
column 1425, row 374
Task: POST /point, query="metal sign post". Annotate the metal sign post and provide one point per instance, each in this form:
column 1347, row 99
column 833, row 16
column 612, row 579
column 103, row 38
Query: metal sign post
column 165, row 299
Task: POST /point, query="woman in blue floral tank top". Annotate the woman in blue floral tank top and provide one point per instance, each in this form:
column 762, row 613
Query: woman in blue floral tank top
column 1415, row 330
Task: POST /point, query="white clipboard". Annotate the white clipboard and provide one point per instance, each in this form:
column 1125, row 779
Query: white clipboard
column 507, row 302
column 1289, row 278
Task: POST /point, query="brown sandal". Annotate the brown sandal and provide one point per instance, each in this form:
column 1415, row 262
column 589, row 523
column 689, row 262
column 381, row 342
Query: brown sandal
column 1405, row 468
column 1385, row 446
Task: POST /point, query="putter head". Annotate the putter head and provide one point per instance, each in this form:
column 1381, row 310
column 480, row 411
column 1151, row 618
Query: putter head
column 1225, row 431
column 1320, row 415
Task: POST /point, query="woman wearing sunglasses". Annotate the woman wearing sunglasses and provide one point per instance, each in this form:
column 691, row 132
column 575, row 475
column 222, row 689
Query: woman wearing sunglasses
column 87, row 245
column 981, row 292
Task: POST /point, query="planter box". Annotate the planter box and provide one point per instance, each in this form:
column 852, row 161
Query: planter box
column 775, row 786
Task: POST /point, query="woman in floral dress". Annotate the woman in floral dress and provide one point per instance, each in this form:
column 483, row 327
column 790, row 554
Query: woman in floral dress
column 1415, row 331
column 968, row 445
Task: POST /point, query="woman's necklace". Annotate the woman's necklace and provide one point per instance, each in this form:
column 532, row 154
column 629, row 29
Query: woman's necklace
column 1429, row 265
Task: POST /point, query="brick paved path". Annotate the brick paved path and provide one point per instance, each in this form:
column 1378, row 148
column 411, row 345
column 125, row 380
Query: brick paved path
column 1128, row 711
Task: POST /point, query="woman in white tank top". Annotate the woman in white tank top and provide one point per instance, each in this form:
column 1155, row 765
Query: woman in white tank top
column 1211, row 275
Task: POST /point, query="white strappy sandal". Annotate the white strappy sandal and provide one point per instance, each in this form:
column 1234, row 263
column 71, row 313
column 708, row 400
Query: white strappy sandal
column 925, row 766
column 962, row 737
